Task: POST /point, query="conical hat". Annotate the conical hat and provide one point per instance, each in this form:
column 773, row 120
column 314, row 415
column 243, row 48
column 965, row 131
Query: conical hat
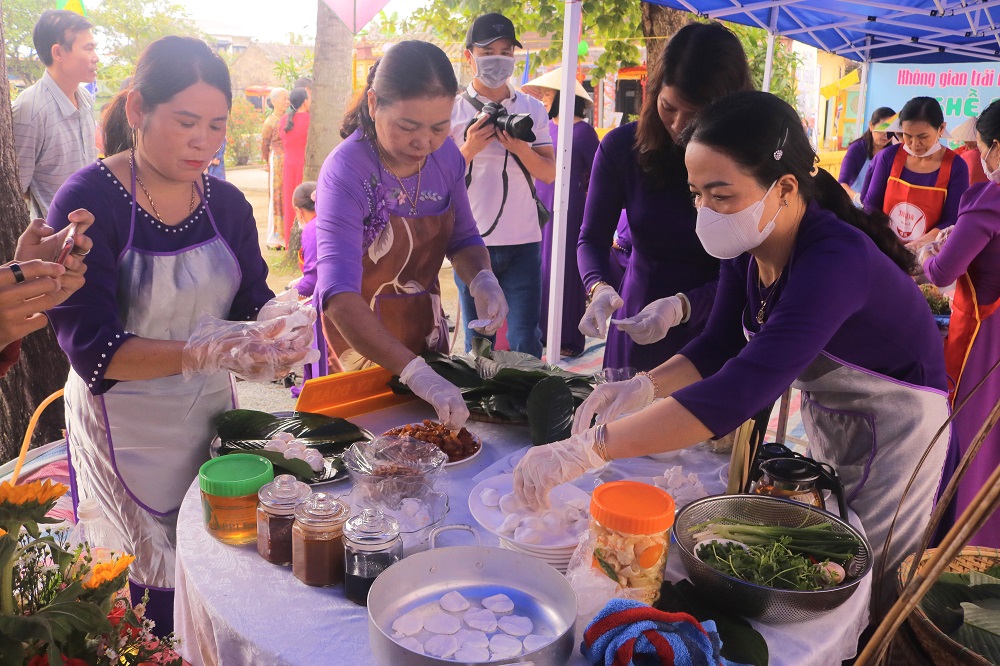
column 553, row 81
column 966, row 131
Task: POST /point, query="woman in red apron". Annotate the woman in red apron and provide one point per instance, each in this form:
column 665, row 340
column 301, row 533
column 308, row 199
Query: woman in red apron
column 391, row 204
column 970, row 257
column 918, row 183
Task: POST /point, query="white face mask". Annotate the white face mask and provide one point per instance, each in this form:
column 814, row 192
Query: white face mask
column 930, row 151
column 494, row 71
column 993, row 175
column 727, row 236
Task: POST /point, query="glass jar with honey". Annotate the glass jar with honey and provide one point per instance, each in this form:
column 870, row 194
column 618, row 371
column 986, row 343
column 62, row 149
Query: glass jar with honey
column 318, row 540
column 229, row 486
column 790, row 478
column 275, row 515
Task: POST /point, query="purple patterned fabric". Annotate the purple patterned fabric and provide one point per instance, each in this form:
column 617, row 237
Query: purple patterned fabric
column 88, row 324
column 839, row 295
column 355, row 195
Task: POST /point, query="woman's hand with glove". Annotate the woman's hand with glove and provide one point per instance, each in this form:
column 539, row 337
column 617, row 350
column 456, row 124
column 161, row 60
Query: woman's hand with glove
column 491, row 304
column 545, row 467
column 444, row 396
column 609, row 401
column 654, row 321
column 602, row 305
column 253, row 350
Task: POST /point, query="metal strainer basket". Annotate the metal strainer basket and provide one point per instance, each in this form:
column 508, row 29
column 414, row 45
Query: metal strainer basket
column 755, row 601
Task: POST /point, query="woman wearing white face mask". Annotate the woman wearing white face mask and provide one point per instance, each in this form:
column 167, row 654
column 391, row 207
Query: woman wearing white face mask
column 970, row 255
column 919, row 182
column 823, row 293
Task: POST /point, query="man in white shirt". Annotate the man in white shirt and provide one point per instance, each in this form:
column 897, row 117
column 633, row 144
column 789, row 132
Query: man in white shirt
column 54, row 128
column 500, row 191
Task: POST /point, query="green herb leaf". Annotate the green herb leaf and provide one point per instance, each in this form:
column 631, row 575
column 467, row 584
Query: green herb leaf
column 550, row 411
column 609, row 570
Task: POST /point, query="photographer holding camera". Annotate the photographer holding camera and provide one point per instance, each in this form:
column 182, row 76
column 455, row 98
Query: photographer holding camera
column 504, row 136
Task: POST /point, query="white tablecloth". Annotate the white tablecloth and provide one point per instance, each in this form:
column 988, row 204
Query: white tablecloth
column 232, row 607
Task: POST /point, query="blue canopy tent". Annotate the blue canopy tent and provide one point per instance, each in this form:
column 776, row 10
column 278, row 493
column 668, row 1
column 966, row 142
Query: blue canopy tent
column 902, row 31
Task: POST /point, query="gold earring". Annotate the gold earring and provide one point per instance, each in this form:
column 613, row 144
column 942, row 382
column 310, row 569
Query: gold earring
column 135, row 137
column 785, row 202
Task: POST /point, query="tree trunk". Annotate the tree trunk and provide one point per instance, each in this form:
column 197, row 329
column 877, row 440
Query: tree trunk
column 43, row 367
column 331, row 91
column 659, row 23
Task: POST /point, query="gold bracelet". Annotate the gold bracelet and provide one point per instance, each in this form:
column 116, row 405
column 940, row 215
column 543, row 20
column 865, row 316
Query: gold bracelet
column 652, row 380
column 593, row 288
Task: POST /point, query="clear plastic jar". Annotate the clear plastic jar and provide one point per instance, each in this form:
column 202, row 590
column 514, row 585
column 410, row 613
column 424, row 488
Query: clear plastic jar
column 790, row 478
column 631, row 524
column 371, row 545
column 318, row 540
column 275, row 516
column 229, row 486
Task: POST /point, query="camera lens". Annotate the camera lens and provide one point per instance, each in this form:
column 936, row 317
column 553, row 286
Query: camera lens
column 517, row 125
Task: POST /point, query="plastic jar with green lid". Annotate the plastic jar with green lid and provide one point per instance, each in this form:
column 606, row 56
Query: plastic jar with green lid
column 631, row 524
column 275, row 515
column 318, row 540
column 229, row 486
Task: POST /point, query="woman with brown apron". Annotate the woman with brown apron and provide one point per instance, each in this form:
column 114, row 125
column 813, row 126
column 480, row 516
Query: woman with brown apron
column 919, row 182
column 391, row 204
column 812, row 292
column 970, row 258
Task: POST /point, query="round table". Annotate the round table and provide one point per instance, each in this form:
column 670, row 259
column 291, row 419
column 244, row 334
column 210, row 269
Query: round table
column 232, row 607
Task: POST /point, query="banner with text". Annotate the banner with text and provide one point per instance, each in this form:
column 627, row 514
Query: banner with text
column 963, row 89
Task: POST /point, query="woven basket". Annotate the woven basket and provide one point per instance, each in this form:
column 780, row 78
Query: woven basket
column 938, row 646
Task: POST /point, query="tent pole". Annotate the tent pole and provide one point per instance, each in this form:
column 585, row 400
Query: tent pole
column 769, row 58
column 863, row 94
column 564, row 161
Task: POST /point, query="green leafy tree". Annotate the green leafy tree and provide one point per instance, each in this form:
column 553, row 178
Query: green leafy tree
column 19, row 18
column 783, row 66
column 290, row 69
column 125, row 27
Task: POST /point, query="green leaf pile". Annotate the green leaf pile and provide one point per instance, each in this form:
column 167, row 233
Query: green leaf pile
column 515, row 388
column 966, row 607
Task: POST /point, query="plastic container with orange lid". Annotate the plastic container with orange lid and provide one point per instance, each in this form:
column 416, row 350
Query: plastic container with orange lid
column 631, row 524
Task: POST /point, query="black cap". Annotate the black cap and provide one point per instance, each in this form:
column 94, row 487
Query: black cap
column 488, row 28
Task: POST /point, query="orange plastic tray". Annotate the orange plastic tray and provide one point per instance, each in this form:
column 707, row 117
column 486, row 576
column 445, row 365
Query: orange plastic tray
column 348, row 394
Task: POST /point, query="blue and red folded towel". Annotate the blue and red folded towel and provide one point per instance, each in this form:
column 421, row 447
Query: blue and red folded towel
column 627, row 633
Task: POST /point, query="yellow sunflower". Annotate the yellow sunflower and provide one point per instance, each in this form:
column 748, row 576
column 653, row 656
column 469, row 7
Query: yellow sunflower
column 106, row 572
column 37, row 492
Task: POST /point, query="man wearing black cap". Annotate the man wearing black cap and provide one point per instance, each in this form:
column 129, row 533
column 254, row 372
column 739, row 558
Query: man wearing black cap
column 500, row 178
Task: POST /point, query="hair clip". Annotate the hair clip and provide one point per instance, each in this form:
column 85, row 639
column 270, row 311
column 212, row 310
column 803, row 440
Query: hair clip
column 779, row 152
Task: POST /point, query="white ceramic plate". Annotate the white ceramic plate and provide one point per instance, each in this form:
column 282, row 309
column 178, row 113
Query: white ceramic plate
column 491, row 517
column 476, row 437
column 550, row 558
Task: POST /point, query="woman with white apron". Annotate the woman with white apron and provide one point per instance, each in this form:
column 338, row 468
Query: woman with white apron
column 391, row 204
column 170, row 246
column 861, row 152
column 918, row 183
column 812, row 291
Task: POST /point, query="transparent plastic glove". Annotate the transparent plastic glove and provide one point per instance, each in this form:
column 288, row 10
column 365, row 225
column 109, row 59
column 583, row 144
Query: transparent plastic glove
column 653, row 321
column 609, row 401
column 933, row 248
column 545, row 467
column 491, row 304
column 285, row 303
column 604, row 303
column 252, row 350
column 443, row 396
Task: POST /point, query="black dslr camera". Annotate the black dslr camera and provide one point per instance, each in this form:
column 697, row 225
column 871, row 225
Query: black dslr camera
column 517, row 125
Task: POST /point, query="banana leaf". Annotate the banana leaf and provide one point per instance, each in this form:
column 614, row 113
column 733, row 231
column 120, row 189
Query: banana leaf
column 741, row 643
column 981, row 631
column 550, row 411
column 248, row 424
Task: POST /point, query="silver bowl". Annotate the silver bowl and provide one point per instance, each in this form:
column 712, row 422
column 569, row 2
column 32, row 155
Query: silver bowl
column 766, row 604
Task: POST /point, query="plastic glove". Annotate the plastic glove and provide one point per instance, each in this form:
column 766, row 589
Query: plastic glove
column 609, row 401
column 604, row 303
column 444, row 396
column 252, row 350
column 933, row 248
column 285, row 303
column 653, row 321
column 491, row 304
column 545, row 467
